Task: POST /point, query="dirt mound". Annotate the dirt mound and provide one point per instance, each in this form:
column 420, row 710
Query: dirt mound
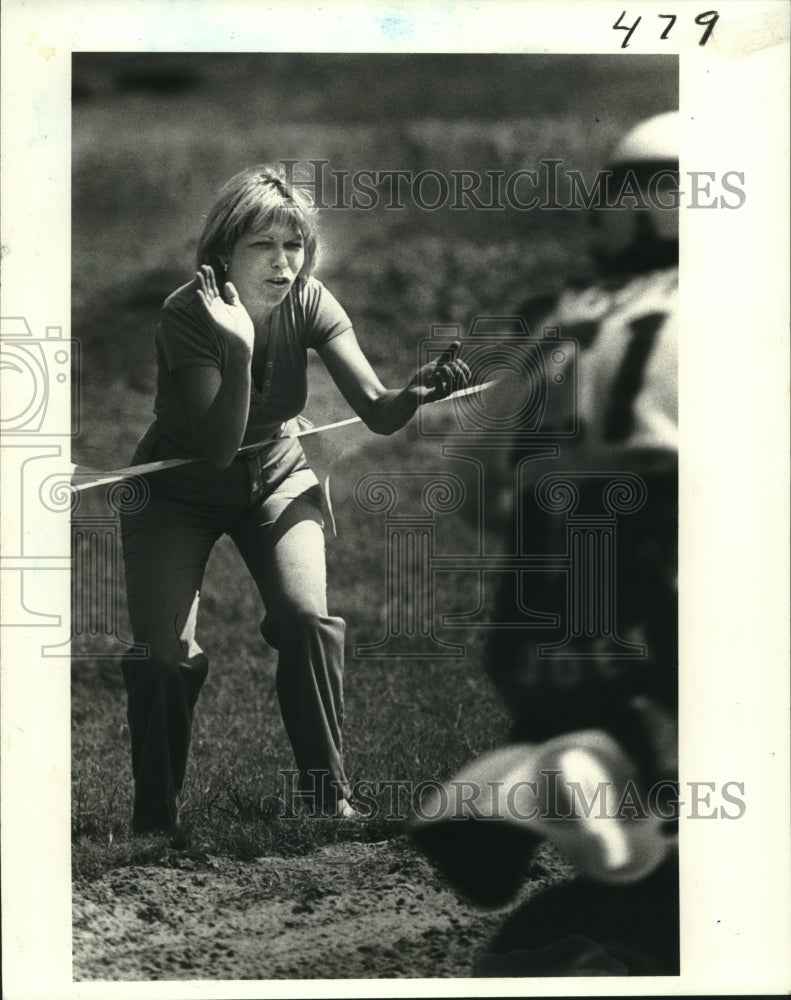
column 347, row 911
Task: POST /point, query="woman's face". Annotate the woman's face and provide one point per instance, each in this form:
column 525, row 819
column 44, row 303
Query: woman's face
column 264, row 265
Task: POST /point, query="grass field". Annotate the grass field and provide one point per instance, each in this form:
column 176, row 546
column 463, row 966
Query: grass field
column 153, row 138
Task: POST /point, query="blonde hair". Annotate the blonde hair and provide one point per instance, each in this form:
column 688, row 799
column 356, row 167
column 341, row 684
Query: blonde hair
column 257, row 198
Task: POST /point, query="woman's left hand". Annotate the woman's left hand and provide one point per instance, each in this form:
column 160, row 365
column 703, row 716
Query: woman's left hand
column 439, row 378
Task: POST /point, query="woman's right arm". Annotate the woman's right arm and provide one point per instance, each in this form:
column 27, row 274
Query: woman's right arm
column 217, row 403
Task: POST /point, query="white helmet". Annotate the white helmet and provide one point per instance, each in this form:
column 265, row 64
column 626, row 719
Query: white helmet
column 646, row 159
column 655, row 140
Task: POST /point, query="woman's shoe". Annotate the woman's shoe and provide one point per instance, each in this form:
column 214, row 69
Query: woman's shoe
column 345, row 810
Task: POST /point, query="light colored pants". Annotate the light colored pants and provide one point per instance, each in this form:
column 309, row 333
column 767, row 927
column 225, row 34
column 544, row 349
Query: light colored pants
column 271, row 507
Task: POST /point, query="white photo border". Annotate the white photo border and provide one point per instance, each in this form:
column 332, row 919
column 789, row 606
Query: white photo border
column 734, row 459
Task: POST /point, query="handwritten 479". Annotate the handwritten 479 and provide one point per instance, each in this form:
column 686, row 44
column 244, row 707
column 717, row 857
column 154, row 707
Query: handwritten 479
column 708, row 19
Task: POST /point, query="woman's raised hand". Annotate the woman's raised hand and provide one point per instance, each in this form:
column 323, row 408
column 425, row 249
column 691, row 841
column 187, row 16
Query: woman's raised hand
column 230, row 318
column 441, row 377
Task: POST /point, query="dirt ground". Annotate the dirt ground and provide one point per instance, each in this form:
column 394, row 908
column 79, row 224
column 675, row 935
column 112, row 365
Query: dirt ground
column 347, row 911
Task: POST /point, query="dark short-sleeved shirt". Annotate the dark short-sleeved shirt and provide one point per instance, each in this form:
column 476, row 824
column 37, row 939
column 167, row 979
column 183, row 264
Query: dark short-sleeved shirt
column 308, row 317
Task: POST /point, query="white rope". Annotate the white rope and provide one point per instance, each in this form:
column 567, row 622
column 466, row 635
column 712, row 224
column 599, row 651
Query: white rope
column 98, row 477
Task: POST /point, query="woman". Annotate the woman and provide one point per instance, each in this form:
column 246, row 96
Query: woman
column 231, row 372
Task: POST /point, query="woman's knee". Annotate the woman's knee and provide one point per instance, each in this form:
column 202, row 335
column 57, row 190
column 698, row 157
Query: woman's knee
column 167, row 649
column 302, row 620
column 147, row 675
column 311, row 618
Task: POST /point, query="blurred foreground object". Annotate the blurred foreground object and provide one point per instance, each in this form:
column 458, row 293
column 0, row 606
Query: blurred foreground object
column 593, row 763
